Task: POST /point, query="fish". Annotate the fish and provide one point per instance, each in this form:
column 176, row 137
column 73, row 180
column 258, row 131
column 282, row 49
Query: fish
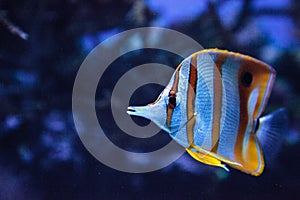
column 213, row 107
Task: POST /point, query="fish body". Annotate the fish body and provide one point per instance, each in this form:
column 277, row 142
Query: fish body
column 212, row 106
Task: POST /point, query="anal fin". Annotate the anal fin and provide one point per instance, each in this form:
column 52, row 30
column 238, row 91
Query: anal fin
column 206, row 159
column 219, row 157
column 211, row 158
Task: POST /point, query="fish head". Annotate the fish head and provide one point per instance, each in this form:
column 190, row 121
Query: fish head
column 164, row 110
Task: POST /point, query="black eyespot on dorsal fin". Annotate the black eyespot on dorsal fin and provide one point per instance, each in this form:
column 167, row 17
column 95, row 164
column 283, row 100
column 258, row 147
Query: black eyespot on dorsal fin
column 246, row 78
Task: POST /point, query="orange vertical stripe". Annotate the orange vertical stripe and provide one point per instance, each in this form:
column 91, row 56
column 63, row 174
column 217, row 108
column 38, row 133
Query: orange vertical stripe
column 251, row 161
column 191, row 93
column 175, row 89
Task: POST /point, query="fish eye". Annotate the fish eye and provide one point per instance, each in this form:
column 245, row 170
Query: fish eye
column 173, row 101
column 246, row 79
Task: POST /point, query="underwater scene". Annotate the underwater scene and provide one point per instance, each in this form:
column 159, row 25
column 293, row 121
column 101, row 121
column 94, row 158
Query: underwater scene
column 149, row 99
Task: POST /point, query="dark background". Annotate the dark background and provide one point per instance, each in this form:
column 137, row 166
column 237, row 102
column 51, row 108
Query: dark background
column 41, row 156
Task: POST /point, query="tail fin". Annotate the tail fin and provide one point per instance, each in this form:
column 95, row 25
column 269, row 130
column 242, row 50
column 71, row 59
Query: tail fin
column 271, row 131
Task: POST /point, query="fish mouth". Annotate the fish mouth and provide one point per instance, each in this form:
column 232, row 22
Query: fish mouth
column 142, row 111
column 130, row 110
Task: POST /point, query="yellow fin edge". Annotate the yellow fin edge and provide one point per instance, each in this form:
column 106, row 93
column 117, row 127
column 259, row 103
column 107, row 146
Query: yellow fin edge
column 206, row 159
column 211, row 158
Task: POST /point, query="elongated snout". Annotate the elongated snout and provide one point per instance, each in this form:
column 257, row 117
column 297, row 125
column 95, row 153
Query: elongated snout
column 142, row 111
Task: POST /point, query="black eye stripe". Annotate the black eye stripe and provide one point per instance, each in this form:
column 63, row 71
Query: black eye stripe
column 172, row 100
